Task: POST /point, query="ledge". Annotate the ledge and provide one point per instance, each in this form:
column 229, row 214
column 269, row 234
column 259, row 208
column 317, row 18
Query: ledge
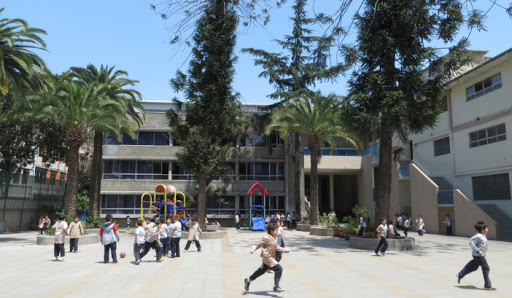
column 85, row 239
column 303, row 227
column 395, row 244
column 321, row 231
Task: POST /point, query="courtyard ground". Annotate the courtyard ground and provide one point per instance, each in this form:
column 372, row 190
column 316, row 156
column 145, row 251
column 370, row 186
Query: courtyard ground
column 315, row 267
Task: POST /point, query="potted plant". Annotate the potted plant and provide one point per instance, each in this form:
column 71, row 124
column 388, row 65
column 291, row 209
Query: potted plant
column 369, row 231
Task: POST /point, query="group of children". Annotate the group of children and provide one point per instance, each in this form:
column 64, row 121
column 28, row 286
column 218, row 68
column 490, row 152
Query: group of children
column 61, row 228
column 290, row 219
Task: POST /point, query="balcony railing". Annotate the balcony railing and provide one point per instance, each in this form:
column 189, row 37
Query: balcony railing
column 372, row 149
column 337, row 152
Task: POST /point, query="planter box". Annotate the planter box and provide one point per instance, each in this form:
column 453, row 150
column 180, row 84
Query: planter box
column 395, row 244
column 85, row 239
column 212, row 228
column 303, row 227
column 321, row 231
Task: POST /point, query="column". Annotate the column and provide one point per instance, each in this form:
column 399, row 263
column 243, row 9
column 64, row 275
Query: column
column 331, row 192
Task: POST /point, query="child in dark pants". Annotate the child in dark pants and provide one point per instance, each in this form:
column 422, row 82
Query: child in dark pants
column 60, row 228
column 478, row 244
column 268, row 253
column 109, row 236
column 382, row 231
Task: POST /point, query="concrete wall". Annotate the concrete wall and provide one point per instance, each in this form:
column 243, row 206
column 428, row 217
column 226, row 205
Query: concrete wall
column 404, row 194
column 365, row 186
column 493, row 102
column 335, row 164
column 424, row 199
column 434, row 166
column 467, row 214
column 12, row 220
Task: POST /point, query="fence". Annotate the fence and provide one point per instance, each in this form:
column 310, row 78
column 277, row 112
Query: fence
column 22, row 192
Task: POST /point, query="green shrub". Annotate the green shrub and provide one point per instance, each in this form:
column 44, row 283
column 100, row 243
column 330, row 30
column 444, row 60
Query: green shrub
column 50, row 232
column 93, row 221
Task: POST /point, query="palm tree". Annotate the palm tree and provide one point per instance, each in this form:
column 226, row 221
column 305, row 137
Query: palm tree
column 79, row 108
column 18, row 62
column 316, row 118
column 114, row 84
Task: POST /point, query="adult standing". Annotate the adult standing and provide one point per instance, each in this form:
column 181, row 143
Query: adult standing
column 362, row 224
column 448, row 223
column 288, row 220
column 237, row 219
column 294, row 220
column 420, row 224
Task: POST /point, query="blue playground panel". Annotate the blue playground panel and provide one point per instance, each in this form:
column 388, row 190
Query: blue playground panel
column 258, row 224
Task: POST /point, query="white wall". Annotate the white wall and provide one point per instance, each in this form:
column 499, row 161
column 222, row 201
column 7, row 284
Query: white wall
column 434, row 166
column 493, row 102
column 482, row 158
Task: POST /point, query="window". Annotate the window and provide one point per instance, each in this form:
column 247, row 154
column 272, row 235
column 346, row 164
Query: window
column 442, row 146
column 491, row 187
column 224, row 205
column 147, row 138
column 179, row 173
column 483, row 87
column 444, row 104
column 120, row 204
column 136, row 169
column 256, row 140
column 486, row 136
column 264, row 171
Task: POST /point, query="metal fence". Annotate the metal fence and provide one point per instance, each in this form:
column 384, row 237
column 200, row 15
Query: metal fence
column 22, row 192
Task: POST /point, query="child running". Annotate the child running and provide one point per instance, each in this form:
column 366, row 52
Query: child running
column 128, row 222
column 60, row 233
column 478, row 244
column 193, row 234
column 268, row 254
column 154, row 242
column 382, row 229
column 138, row 244
column 109, row 236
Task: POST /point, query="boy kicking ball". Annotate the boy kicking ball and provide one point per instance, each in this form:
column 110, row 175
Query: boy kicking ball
column 478, row 244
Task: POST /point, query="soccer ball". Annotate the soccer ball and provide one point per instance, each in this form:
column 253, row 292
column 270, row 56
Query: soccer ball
column 122, row 255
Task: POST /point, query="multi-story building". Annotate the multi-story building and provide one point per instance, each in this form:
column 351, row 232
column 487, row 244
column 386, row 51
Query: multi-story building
column 463, row 166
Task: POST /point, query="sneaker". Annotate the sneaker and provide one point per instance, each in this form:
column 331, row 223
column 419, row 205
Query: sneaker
column 458, row 277
column 165, row 255
column 56, row 259
column 270, row 271
column 115, row 262
column 246, row 284
column 490, row 289
column 169, row 256
column 383, row 253
column 160, row 260
column 185, row 251
column 137, row 262
column 277, row 288
column 62, row 259
column 376, row 252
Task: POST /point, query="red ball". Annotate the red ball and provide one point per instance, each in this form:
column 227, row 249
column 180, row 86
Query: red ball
column 122, row 255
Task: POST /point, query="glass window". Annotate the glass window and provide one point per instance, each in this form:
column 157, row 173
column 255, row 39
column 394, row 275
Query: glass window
column 256, row 140
column 146, row 138
column 442, row 146
column 111, row 140
column 161, row 139
column 491, row 187
column 127, row 140
column 483, row 87
column 486, row 136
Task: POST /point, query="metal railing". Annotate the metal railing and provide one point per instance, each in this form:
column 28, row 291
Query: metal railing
column 25, row 187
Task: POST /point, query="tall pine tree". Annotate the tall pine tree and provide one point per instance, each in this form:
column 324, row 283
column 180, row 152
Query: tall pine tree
column 296, row 73
column 390, row 93
column 211, row 113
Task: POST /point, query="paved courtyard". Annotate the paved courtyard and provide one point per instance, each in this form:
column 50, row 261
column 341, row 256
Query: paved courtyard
column 315, row 267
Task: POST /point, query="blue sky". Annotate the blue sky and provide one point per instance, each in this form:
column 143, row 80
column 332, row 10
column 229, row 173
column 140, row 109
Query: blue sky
column 129, row 35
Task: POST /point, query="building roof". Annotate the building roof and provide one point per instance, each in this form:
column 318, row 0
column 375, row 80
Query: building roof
column 486, row 66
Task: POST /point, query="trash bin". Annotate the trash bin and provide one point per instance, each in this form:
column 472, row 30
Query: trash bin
column 2, row 225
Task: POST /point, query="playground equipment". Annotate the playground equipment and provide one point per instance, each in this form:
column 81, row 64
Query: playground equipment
column 169, row 206
column 257, row 222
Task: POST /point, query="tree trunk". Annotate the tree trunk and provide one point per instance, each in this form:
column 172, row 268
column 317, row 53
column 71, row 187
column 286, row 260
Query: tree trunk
column 384, row 175
column 201, row 201
column 96, row 174
column 314, row 147
column 299, row 177
column 70, row 199
column 6, row 176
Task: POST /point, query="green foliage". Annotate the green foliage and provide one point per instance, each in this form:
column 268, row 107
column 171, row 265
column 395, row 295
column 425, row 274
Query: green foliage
column 50, row 232
column 93, row 221
column 83, row 202
column 331, row 222
column 352, row 222
column 357, row 211
column 19, row 65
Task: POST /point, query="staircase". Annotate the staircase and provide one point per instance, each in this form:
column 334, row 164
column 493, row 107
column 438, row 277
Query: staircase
column 442, row 183
column 504, row 221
